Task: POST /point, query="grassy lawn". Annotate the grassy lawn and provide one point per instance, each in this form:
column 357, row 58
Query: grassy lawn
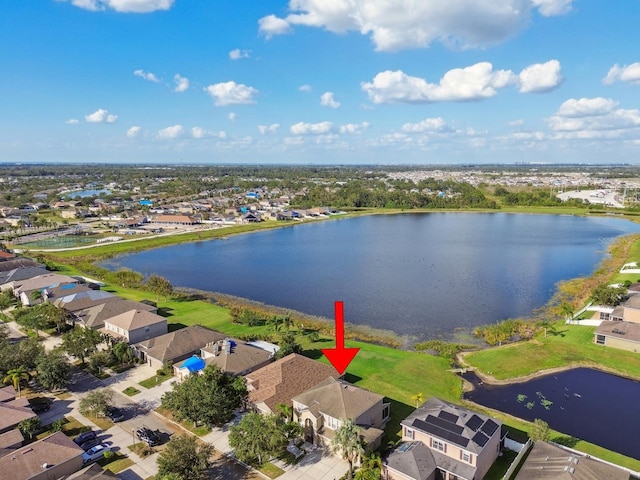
column 566, row 345
column 198, row 431
column 117, row 463
column 70, row 426
column 155, row 380
column 501, row 465
column 101, row 422
column 271, row 470
column 130, row 391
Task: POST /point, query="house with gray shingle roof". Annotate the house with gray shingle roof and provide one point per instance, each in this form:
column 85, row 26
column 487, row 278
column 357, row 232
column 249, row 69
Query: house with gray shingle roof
column 55, row 456
column 13, row 409
column 176, row 346
column 323, row 409
column 283, row 379
column 621, row 328
column 95, row 316
column 463, row 444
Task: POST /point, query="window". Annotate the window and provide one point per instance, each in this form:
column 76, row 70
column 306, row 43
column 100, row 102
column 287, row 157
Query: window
column 438, row 445
column 600, row 339
column 333, row 423
column 385, row 412
column 465, row 457
column 604, row 316
column 409, row 433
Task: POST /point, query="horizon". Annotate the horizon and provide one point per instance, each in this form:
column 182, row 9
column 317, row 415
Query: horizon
column 303, row 82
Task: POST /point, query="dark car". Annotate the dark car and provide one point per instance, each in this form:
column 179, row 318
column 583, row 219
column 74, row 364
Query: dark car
column 89, row 444
column 148, row 436
column 84, row 436
column 40, row 407
column 115, row 414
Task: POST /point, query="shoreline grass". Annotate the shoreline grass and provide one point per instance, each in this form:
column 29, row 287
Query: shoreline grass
column 400, row 374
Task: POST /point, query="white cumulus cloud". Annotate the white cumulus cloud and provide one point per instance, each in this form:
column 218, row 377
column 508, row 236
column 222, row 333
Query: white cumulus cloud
column 231, row 93
column 172, row 132
column 302, row 128
column 540, row 77
column 436, row 124
column 476, row 82
column 272, row 25
column 305, row 88
column 327, row 100
column 125, row 6
column 101, row 116
column 627, row 73
column 598, row 117
column 134, row 131
column 237, row 54
column 146, row 75
column 72, row 121
column 232, row 117
column 264, row 129
column 354, row 128
column 182, row 83
column 400, row 24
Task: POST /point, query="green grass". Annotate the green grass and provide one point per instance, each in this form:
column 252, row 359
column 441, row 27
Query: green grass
column 501, row 465
column 70, row 426
column 155, row 380
column 117, row 463
column 131, row 391
column 101, row 422
column 270, row 470
column 564, row 346
column 199, row 430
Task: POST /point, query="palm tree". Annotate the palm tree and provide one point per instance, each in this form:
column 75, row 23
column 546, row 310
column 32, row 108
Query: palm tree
column 567, row 311
column 418, row 398
column 348, row 443
column 16, row 376
column 370, row 468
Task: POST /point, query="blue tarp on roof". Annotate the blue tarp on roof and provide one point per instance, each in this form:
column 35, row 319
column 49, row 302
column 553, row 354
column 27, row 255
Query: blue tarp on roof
column 193, row 364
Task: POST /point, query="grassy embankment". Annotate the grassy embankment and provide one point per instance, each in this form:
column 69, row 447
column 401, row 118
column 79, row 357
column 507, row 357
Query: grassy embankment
column 399, row 374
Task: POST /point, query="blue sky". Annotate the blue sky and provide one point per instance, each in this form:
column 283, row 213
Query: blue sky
column 320, row 81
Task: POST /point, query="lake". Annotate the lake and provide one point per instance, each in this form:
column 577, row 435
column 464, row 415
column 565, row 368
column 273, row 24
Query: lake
column 426, row 275
column 587, row 404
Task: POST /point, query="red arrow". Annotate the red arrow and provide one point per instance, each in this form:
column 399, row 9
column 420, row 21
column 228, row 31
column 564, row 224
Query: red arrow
column 340, row 357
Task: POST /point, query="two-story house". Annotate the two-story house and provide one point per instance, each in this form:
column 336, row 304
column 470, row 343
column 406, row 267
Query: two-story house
column 460, row 444
column 322, row 409
column 621, row 328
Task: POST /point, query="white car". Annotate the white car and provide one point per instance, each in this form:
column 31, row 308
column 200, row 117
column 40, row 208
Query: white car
column 95, row 453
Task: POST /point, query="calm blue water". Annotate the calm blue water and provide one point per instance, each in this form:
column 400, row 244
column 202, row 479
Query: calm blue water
column 416, row 274
column 88, row 193
column 587, row 404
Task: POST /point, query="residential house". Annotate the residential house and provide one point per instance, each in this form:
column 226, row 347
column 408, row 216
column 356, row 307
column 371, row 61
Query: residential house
column 410, row 461
column 462, row 444
column 63, row 289
column 322, row 409
column 621, row 327
column 13, row 278
column 95, row 316
column 25, row 288
column 82, row 300
column 550, row 462
column 282, row 380
column 233, row 357
column 13, row 409
column 135, row 326
column 53, row 457
column 19, row 263
column 4, row 256
column 175, row 346
column 177, row 219
column 10, row 441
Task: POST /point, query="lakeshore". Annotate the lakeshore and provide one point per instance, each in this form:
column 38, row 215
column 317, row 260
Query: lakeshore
column 398, row 374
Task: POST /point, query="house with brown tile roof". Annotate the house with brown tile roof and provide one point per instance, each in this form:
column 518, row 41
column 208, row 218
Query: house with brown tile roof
column 551, row 462
column 176, row 346
column 135, row 326
column 284, row 379
column 95, row 316
column 323, row 409
column 50, row 458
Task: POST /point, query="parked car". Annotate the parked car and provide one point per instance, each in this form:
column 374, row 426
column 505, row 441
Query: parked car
column 148, row 436
column 40, row 407
column 115, row 414
column 89, row 444
column 84, row 436
column 95, row 453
